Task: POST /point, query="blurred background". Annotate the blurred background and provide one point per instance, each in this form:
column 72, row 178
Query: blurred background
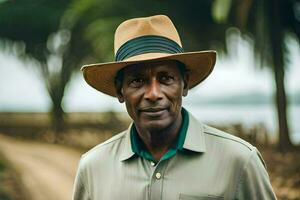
column 49, row 116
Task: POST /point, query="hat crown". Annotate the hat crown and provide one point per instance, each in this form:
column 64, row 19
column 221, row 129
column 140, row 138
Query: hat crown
column 158, row 25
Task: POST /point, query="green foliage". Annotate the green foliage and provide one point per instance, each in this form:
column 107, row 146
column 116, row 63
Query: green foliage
column 220, row 10
column 261, row 20
column 3, row 194
column 95, row 21
column 2, row 166
column 32, row 22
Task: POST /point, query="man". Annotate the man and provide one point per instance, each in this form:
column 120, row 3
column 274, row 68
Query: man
column 165, row 153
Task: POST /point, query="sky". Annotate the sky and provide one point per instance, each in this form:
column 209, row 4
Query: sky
column 22, row 89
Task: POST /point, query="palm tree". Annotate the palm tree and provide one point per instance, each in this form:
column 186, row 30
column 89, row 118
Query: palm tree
column 36, row 24
column 269, row 23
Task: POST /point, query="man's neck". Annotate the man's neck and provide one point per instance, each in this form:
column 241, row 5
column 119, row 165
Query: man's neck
column 158, row 142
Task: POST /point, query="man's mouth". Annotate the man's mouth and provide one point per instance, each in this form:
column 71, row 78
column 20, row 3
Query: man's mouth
column 153, row 111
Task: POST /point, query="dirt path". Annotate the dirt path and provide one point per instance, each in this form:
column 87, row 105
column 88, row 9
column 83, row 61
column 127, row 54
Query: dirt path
column 46, row 170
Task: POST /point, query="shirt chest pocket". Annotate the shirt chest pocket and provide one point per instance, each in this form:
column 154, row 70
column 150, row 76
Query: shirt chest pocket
column 207, row 197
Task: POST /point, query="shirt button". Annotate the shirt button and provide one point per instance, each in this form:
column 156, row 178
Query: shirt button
column 158, row 175
column 152, row 163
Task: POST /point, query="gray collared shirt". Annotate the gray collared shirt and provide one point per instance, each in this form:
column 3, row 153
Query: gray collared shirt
column 213, row 165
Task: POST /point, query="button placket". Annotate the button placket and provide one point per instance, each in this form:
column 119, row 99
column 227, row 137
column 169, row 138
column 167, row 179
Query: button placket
column 156, row 185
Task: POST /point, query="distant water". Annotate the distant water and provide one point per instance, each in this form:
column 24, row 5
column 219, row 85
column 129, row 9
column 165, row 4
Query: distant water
column 248, row 116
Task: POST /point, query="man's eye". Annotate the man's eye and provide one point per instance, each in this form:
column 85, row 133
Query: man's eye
column 137, row 82
column 167, row 78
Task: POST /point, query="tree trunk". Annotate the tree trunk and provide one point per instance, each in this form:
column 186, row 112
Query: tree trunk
column 277, row 42
column 57, row 116
column 56, row 91
column 281, row 103
column 56, row 88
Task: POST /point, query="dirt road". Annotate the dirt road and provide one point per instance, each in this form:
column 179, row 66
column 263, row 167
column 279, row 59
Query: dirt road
column 46, row 170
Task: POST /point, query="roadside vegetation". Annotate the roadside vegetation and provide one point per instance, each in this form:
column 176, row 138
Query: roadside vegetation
column 10, row 185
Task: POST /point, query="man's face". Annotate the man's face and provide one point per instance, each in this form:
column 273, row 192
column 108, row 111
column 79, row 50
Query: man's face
column 153, row 94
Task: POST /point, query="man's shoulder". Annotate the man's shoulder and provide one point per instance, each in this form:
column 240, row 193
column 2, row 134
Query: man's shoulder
column 219, row 141
column 228, row 146
column 227, row 138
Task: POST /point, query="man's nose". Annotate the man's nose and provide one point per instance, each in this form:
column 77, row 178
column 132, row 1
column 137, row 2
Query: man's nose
column 153, row 91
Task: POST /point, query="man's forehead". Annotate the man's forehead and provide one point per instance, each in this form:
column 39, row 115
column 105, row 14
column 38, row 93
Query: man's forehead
column 169, row 65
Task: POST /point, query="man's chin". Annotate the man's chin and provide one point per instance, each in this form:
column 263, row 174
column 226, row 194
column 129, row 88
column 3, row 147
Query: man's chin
column 156, row 125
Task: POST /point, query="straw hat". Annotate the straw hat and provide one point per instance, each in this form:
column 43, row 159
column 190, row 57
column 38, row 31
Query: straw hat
column 146, row 39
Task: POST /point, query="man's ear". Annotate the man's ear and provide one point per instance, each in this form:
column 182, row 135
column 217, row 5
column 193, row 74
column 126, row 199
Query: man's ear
column 119, row 91
column 186, row 78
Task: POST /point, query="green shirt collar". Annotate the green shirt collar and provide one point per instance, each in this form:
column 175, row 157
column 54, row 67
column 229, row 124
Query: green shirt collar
column 139, row 148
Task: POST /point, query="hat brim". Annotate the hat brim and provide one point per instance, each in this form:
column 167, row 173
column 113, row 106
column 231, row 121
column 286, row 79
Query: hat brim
column 101, row 75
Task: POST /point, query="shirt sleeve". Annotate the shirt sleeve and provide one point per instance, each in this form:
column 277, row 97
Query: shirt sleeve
column 254, row 182
column 79, row 191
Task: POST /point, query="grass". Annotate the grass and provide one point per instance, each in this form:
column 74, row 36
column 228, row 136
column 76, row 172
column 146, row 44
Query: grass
column 284, row 172
column 10, row 185
column 3, row 194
